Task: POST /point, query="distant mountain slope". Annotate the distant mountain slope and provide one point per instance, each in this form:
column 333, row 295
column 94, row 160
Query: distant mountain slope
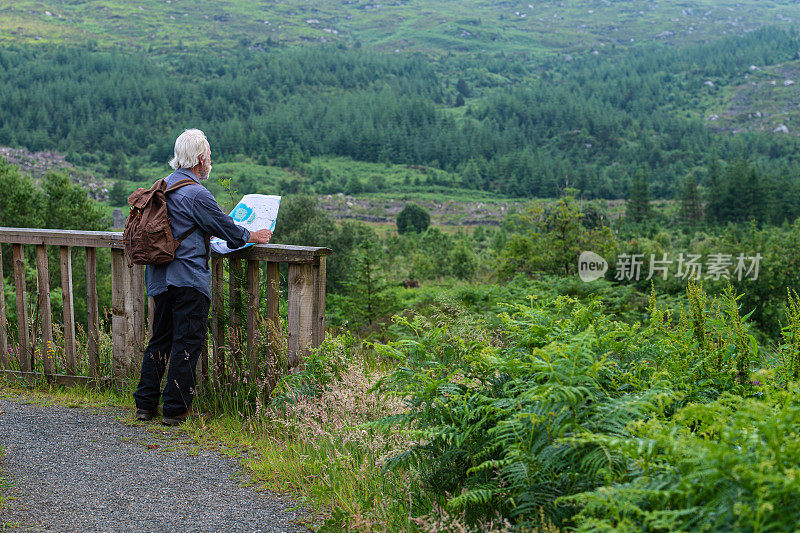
column 763, row 99
column 527, row 26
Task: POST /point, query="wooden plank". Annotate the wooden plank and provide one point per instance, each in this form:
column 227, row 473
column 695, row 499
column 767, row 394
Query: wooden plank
column 281, row 253
column 119, row 323
column 139, row 306
column 217, row 320
column 45, row 312
column 235, row 305
column 93, row 326
column 151, row 310
column 273, row 302
column 3, row 319
column 300, row 311
column 60, row 237
column 60, row 379
column 133, row 337
column 318, row 328
column 253, row 298
column 70, row 343
column 111, row 239
column 234, row 285
column 202, row 372
column 23, row 325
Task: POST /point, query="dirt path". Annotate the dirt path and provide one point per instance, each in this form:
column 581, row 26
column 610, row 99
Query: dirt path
column 94, row 470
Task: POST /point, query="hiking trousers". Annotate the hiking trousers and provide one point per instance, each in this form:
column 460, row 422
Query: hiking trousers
column 179, row 331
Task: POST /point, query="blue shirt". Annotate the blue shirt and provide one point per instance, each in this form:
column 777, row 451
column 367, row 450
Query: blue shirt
column 187, row 206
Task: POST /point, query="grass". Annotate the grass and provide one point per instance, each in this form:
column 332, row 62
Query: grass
column 429, row 26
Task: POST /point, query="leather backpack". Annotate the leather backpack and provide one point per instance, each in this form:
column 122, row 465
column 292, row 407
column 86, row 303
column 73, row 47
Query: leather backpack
column 147, row 237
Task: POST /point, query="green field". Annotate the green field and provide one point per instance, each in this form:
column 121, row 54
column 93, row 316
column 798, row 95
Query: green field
column 434, row 26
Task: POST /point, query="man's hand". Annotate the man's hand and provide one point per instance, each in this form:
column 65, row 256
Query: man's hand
column 261, row 236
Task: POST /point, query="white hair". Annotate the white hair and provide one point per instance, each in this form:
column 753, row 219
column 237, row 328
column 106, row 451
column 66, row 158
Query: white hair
column 188, row 147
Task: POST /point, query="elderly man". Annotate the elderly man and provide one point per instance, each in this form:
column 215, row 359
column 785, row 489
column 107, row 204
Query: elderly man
column 182, row 288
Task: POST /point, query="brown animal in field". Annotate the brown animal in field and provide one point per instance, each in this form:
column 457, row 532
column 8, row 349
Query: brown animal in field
column 411, row 283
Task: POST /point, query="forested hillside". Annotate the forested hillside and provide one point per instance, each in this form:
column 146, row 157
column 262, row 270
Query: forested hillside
column 502, row 124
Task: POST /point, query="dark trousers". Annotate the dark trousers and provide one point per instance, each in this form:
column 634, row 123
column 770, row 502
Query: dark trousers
column 179, row 331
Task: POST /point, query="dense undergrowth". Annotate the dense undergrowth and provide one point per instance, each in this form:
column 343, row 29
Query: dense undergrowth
column 559, row 417
column 556, row 414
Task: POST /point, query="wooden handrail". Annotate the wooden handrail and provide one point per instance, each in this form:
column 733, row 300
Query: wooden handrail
column 130, row 312
column 280, row 253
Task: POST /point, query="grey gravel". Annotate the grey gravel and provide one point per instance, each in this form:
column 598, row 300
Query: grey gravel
column 75, row 469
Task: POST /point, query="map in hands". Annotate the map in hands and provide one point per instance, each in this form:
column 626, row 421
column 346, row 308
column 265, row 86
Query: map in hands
column 254, row 212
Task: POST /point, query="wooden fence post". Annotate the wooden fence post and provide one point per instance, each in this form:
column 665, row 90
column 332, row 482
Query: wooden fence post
column 70, row 344
column 234, row 306
column 253, row 297
column 151, row 309
column 93, row 312
column 273, row 305
column 300, row 311
column 45, row 312
column 137, row 307
column 318, row 330
column 217, row 320
column 23, row 332
column 121, row 316
column 3, row 320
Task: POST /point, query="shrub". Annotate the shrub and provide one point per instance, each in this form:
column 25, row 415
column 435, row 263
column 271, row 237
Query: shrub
column 412, row 218
column 536, row 417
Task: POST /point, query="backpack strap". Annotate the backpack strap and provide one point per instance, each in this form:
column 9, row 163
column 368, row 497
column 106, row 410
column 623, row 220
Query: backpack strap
column 191, row 230
column 177, row 184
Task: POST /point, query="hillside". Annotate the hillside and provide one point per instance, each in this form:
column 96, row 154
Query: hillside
column 437, row 26
column 763, row 99
column 501, row 99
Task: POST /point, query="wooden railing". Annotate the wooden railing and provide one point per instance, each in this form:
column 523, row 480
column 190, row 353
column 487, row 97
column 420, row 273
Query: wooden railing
column 131, row 312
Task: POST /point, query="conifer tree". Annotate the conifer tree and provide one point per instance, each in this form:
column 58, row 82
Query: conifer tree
column 638, row 207
column 716, row 209
column 691, row 206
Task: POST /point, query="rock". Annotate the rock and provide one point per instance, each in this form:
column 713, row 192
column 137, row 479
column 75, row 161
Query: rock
column 713, row 118
column 118, row 219
column 753, row 67
column 788, row 82
column 708, row 83
column 781, row 129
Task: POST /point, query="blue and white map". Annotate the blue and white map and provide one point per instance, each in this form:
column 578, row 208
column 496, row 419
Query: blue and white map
column 254, row 212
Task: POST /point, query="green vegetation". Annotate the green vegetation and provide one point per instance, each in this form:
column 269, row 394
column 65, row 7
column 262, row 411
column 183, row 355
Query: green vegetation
column 412, row 218
column 433, row 26
column 470, row 380
column 301, row 113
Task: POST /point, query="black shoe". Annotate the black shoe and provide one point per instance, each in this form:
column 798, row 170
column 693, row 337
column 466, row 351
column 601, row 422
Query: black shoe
column 146, row 414
column 179, row 419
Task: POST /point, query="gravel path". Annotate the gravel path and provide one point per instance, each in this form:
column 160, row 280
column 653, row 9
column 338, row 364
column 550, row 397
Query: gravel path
column 95, row 470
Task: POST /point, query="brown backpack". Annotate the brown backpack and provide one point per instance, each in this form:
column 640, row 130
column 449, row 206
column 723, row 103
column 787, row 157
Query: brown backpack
column 148, row 235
